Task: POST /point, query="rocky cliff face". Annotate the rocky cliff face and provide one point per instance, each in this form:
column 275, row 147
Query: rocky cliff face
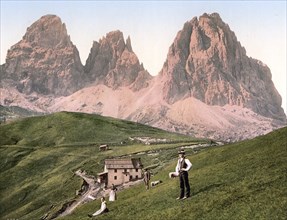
column 207, row 87
column 207, row 62
column 112, row 62
column 45, row 61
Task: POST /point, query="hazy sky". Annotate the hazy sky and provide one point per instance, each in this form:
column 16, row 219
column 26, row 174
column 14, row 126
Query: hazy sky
column 260, row 26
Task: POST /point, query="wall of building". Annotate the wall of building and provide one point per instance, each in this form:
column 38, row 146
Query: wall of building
column 123, row 176
column 135, row 173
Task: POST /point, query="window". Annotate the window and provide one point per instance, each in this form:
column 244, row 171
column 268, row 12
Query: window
column 116, row 170
column 115, row 177
column 125, row 170
column 137, row 170
column 137, row 176
column 131, row 177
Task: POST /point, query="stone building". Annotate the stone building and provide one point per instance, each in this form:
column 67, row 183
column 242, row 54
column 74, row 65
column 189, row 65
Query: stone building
column 120, row 171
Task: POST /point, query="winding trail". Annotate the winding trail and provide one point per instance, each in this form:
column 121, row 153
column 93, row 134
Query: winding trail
column 93, row 189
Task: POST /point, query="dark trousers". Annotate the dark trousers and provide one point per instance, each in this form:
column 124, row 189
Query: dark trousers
column 184, row 184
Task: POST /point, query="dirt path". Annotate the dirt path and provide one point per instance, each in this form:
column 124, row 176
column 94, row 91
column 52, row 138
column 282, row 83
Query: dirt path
column 93, row 189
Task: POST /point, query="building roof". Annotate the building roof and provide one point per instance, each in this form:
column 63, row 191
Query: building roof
column 102, row 173
column 131, row 163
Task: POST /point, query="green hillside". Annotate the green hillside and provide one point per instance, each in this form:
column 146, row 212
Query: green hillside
column 39, row 156
column 66, row 128
column 246, row 180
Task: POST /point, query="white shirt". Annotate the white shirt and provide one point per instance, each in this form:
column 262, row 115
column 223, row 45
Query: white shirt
column 189, row 165
column 103, row 206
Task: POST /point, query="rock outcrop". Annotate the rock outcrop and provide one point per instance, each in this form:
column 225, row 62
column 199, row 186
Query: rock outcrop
column 207, row 62
column 112, row 62
column 45, row 61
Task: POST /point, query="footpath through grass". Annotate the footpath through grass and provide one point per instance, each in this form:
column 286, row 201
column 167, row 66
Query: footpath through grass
column 246, row 180
column 39, row 155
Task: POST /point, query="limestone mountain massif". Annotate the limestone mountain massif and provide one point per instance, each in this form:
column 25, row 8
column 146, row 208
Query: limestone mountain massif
column 112, row 62
column 207, row 87
column 45, row 61
column 207, row 62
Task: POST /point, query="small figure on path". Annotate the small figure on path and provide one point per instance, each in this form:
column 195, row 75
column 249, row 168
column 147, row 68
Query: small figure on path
column 146, row 178
column 113, row 195
column 182, row 168
column 103, row 208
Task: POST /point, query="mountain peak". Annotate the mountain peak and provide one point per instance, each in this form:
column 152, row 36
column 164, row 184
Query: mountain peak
column 207, row 87
column 212, row 15
column 112, row 62
column 45, row 61
column 129, row 44
column 114, row 36
column 207, row 62
column 48, row 32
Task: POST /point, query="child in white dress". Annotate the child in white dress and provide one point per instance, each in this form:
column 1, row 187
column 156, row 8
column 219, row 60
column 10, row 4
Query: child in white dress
column 103, row 208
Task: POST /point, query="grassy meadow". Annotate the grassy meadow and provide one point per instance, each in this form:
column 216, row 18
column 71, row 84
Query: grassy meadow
column 39, row 156
column 245, row 180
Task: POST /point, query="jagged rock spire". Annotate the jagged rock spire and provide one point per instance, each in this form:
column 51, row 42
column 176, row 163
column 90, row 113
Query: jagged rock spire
column 48, row 32
column 45, row 61
column 113, row 63
column 206, row 61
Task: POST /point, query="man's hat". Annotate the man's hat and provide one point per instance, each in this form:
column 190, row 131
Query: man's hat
column 181, row 152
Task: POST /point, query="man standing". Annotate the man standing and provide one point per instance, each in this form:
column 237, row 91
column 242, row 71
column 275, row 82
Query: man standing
column 182, row 168
column 146, row 178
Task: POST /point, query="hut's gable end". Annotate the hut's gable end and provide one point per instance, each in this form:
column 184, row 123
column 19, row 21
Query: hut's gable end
column 123, row 170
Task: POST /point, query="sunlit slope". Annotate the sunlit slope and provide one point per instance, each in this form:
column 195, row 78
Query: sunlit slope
column 39, row 155
column 246, row 180
column 66, row 128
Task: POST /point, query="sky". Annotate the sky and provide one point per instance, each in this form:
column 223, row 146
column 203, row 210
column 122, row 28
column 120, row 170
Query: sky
column 260, row 26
